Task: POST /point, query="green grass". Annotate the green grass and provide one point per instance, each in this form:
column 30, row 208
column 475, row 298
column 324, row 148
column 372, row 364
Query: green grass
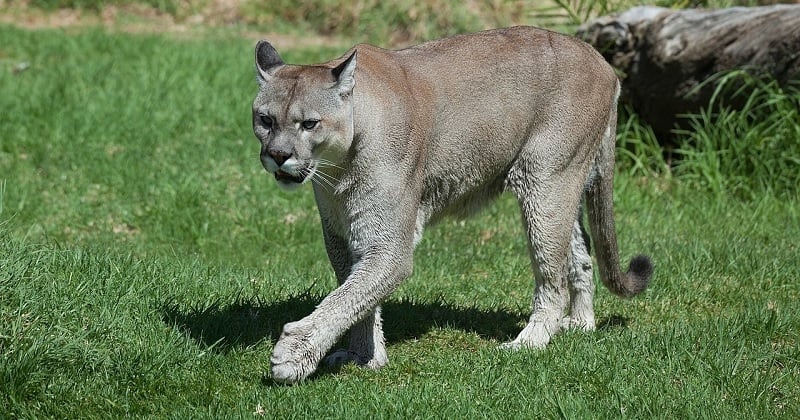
column 166, row 6
column 747, row 149
column 147, row 265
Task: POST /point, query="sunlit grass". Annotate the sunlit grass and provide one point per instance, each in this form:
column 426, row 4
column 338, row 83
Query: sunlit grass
column 744, row 149
column 147, row 265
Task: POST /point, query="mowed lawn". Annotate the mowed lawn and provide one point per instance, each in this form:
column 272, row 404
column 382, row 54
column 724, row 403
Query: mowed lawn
column 148, row 263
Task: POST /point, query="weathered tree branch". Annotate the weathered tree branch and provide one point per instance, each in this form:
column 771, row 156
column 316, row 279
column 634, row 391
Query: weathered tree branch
column 665, row 55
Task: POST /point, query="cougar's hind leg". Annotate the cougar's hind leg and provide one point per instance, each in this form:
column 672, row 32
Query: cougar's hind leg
column 549, row 205
column 366, row 339
column 367, row 344
column 580, row 281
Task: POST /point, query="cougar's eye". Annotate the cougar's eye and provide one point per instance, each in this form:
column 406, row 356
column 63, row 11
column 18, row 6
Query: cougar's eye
column 266, row 120
column 309, row 124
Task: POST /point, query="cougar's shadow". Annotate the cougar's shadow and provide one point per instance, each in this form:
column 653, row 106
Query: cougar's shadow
column 246, row 322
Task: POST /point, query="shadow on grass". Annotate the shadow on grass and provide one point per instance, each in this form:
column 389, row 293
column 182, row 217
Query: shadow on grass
column 613, row 321
column 247, row 322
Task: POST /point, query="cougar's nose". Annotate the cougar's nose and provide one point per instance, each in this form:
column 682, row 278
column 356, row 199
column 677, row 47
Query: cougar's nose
column 279, row 156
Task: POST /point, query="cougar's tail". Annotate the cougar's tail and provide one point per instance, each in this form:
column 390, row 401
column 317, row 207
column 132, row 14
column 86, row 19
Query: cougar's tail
column 600, row 208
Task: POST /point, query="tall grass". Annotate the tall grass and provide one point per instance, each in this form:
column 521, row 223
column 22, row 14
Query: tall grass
column 748, row 149
column 393, row 22
column 166, row 6
column 743, row 143
column 638, row 150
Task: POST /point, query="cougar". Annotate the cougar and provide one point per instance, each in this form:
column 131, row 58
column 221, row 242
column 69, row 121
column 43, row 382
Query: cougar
column 392, row 141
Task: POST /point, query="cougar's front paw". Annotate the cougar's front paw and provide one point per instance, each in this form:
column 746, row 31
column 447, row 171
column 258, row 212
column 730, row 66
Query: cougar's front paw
column 343, row 357
column 294, row 357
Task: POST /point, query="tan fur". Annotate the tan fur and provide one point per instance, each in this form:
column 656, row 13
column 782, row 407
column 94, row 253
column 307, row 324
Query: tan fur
column 394, row 140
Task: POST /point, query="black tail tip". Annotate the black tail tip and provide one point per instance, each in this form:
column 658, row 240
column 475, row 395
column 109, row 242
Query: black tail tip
column 640, row 270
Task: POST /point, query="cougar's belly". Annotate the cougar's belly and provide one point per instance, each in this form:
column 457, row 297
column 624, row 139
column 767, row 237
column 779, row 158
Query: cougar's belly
column 459, row 194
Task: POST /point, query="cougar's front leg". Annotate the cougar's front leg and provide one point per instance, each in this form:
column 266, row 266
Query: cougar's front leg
column 382, row 249
column 367, row 344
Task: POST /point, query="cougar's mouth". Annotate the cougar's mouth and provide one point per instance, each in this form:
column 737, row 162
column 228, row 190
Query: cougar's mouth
column 282, row 176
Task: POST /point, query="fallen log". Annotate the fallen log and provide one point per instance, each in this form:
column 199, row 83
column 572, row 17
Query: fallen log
column 665, row 56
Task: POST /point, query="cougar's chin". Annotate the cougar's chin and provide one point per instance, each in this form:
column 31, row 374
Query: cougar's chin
column 291, row 180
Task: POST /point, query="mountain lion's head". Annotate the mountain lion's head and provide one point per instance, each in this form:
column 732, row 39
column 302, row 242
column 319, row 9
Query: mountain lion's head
column 303, row 116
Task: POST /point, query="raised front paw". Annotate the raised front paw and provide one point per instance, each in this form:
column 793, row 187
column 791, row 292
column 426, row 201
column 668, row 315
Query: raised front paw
column 295, row 356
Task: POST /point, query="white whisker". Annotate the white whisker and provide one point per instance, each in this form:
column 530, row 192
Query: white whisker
column 324, row 184
column 328, row 164
column 327, row 179
column 318, row 177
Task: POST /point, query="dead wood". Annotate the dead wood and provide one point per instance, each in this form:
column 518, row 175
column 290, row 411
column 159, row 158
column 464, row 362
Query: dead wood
column 664, row 55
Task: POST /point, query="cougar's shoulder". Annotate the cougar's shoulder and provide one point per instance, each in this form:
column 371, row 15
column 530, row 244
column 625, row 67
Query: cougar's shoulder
column 392, row 97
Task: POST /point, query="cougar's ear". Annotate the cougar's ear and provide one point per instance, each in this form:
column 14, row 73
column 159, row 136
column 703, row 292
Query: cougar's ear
column 345, row 75
column 267, row 61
